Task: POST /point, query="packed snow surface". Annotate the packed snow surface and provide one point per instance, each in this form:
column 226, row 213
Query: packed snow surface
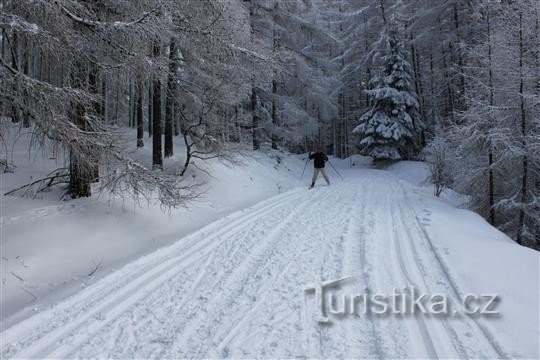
column 236, row 288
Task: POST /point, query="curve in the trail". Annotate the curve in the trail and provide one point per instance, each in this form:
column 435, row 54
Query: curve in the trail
column 236, row 287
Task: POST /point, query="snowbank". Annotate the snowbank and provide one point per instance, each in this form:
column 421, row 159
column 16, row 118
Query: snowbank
column 51, row 249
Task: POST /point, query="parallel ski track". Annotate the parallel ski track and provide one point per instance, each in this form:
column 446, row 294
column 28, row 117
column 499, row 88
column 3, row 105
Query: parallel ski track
column 260, row 250
column 110, row 300
column 436, row 264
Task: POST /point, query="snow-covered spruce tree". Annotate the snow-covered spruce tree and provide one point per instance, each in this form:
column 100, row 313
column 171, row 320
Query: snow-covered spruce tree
column 390, row 129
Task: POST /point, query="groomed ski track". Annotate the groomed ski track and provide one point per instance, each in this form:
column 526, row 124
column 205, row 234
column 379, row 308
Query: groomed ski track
column 236, row 287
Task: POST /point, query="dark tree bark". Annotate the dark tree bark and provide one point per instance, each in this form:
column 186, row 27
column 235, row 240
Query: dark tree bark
column 103, row 105
column 26, row 70
column 132, row 104
column 274, row 114
column 537, row 91
column 150, row 111
column 383, row 12
column 255, row 120
column 169, row 104
column 418, row 87
column 157, row 153
column 93, row 88
column 140, row 116
column 524, row 160
column 14, row 45
column 176, row 117
column 450, row 108
column 79, row 171
column 491, row 181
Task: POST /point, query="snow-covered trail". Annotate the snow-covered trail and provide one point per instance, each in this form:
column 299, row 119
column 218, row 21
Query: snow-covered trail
column 236, row 287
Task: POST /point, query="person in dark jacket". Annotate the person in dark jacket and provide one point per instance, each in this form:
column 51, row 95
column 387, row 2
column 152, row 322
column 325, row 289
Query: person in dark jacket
column 320, row 159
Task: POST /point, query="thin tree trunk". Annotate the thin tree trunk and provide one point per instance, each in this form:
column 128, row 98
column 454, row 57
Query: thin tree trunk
column 383, row 12
column 26, row 71
column 418, row 86
column 103, row 104
column 140, row 115
column 150, row 110
column 254, row 119
column 525, row 160
column 274, row 114
column 491, row 181
column 537, row 90
column 130, row 105
column 93, row 88
column 171, row 85
column 117, row 100
column 157, row 152
column 450, row 111
column 14, row 45
column 460, row 61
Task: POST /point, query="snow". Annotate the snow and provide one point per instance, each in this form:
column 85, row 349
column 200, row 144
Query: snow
column 235, row 287
column 50, row 247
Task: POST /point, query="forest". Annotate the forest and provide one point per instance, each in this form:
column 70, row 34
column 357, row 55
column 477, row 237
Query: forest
column 454, row 83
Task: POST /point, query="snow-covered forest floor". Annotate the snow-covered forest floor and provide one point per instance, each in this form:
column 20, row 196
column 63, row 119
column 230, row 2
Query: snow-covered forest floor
column 53, row 248
column 226, row 277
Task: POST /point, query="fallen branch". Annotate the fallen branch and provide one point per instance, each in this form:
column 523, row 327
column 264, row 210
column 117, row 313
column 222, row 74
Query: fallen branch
column 49, row 180
column 17, row 276
column 96, row 268
column 29, row 293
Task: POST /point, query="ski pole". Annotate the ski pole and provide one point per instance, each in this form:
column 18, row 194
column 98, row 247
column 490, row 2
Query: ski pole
column 337, row 172
column 305, row 166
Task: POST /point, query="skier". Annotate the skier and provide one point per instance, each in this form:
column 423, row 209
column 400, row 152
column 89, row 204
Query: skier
column 320, row 159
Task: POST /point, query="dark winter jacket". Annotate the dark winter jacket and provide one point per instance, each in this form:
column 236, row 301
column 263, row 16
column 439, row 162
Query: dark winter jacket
column 320, row 159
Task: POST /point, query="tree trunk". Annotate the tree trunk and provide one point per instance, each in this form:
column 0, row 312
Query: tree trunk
column 383, row 12
column 157, row 153
column 26, row 71
column 93, row 88
column 491, row 181
column 130, row 105
column 524, row 160
column 150, row 110
column 254, row 119
column 15, row 64
column 418, row 87
column 450, row 109
column 169, row 105
column 274, row 114
column 460, row 61
column 537, row 91
column 103, row 105
column 80, row 173
column 140, row 115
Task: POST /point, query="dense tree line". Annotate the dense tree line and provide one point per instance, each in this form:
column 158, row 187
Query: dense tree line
column 456, row 83
column 475, row 68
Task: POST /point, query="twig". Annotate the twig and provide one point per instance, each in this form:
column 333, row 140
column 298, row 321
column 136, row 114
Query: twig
column 96, row 268
column 50, row 178
column 17, row 276
column 117, row 24
column 28, row 292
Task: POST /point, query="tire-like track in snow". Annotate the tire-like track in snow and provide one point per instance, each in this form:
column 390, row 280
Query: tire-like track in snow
column 236, row 288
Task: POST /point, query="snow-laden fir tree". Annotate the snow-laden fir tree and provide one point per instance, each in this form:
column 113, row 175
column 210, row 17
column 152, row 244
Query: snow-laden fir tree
column 390, row 129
